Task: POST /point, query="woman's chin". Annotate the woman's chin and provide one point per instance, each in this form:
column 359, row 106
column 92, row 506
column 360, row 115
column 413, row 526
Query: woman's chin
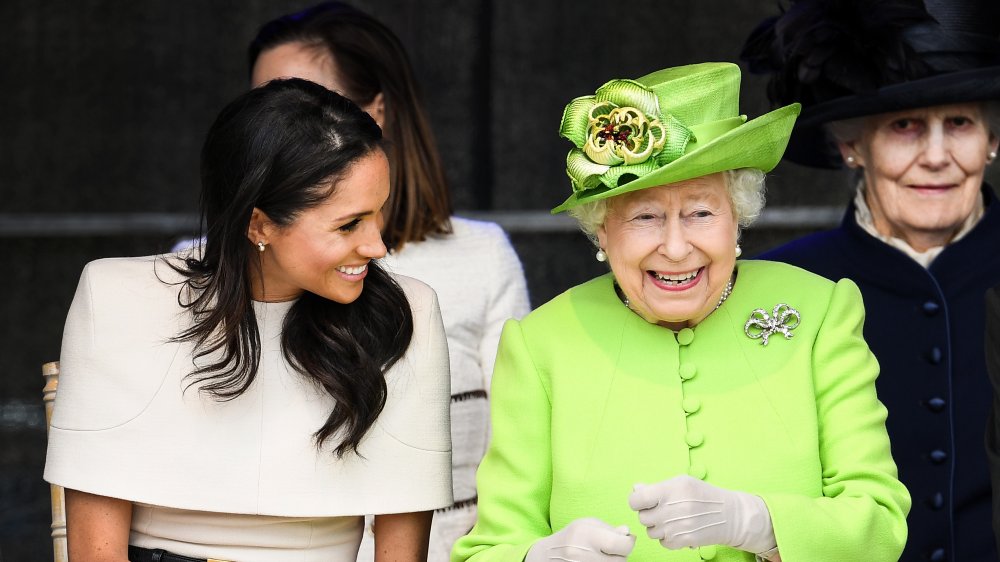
column 673, row 315
column 343, row 295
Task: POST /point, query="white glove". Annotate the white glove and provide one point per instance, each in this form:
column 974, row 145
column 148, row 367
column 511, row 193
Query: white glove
column 583, row 540
column 686, row 512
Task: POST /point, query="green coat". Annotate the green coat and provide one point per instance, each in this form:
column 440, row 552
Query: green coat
column 588, row 399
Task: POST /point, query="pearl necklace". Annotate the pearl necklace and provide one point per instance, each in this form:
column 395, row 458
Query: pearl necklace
column 726, row 292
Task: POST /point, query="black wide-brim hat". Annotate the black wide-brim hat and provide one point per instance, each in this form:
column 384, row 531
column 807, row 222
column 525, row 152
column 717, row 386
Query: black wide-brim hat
column 844, row 59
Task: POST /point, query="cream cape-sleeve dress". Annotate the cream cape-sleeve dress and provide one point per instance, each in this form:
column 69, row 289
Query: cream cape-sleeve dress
column 239, row 480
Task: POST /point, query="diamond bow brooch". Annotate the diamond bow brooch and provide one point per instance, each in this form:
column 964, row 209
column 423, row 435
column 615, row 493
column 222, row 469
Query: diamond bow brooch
column 783, row 320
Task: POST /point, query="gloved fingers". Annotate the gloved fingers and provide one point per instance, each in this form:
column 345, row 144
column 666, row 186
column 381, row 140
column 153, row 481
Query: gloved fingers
column 683, row 512
column 678, row 543
column 685, row 522
column 593, row 540
column 574, row 553
column 691, row 533
column 672, row 510
column 674, row 544
column 644, row 497
column 651, row 518
column 617, row 543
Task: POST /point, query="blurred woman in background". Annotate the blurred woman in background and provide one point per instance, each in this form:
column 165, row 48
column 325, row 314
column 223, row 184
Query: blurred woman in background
column 470, row 264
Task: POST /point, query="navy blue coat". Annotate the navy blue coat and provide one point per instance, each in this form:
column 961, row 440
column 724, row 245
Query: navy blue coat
column 993, row 427
column 925, row 326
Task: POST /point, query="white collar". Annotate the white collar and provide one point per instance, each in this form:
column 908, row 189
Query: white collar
column 863, row 216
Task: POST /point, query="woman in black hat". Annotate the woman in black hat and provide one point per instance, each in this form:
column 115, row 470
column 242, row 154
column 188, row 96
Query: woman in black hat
column 902, row 94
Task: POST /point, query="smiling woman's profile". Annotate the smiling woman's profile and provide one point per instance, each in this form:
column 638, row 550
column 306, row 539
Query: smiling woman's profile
column 285, row 375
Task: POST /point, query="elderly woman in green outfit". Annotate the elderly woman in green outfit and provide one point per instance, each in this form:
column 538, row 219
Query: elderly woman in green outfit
column 685, row 406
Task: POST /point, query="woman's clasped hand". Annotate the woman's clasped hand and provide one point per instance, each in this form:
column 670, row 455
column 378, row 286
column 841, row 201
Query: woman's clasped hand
column 686, row 512
column 584, row 540
column 680, row 512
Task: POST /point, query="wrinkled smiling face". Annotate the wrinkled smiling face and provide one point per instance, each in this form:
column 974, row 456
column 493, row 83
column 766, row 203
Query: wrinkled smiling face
column 923, row 170
column 328, row 247
column 672, row 248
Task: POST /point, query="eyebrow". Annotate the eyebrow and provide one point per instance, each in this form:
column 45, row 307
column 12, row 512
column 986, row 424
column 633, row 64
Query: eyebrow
column 357, row 215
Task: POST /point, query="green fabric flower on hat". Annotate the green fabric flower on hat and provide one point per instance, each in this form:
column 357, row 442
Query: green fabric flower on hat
column 619, row 132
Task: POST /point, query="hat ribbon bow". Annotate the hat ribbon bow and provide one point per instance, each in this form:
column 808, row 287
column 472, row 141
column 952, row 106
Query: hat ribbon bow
column 782, row 320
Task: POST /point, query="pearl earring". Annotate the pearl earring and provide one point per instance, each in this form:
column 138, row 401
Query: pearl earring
column 601, row 255
column 260, row 246
column 991, row 156
column 850, row 161
column 739, row 251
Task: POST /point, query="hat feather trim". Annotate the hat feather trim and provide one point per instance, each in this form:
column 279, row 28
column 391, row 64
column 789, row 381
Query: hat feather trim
column 817, row 50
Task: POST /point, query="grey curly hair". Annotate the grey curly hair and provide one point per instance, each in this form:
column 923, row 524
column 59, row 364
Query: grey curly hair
column 746, row 193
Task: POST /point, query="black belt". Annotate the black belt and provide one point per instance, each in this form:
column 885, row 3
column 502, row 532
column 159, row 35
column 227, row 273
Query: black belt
column 139, row 554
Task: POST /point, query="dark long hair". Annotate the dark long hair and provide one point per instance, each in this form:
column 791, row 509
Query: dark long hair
column 282, row 148
column 371, row 59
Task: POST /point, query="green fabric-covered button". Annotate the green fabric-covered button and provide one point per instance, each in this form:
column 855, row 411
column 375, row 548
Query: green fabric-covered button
column 691, row 405
column 685, row 336
column 694, row 438
column 687, row 371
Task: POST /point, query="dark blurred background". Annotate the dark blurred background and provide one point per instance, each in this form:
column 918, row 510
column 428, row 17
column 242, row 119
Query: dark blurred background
column 104, row 105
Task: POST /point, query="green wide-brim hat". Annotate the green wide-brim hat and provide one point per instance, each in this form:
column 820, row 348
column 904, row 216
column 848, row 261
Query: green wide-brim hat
column 669, row 126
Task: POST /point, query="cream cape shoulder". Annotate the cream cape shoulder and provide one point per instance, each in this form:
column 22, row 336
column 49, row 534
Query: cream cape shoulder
column 141, row 292
column 118, row 341
column 122, row 408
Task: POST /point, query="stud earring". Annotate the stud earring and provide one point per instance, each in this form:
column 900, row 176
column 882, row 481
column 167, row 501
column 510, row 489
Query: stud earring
column 739, row 251
column 850, row 161
column 260, row 246
column 991, row 156
column 601, row 255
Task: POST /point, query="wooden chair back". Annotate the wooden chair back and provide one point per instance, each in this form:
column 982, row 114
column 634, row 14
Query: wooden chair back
column 59, row 550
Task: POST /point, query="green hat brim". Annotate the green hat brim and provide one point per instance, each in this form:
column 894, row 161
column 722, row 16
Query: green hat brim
column 758, row 143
